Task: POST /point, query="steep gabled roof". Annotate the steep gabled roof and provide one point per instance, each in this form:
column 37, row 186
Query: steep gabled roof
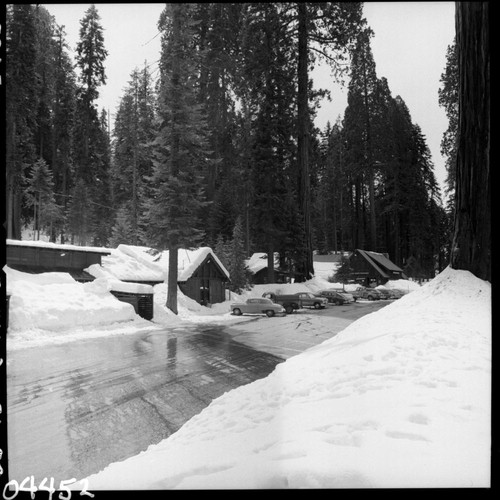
column 129, row 262
column 258, row 261
column 380, row 262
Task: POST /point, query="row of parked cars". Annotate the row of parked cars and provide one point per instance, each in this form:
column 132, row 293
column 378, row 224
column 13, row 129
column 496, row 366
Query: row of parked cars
column 343, row 297
column 271, row 303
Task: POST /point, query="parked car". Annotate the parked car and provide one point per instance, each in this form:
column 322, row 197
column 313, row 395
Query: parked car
column 395, row 293
column 294, row 301
column 366, row 293
column 384, row 293
column 333, row 297
column 257, row 306
column 337, row 297
column 348, row 296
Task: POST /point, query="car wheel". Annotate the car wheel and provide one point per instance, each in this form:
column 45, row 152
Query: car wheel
column 317, row 305
column 237, row 312
column 370, row 297
column 270, row 314
column 289, row 309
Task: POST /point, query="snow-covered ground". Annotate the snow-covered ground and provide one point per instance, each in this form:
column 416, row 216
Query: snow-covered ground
column 400, row 398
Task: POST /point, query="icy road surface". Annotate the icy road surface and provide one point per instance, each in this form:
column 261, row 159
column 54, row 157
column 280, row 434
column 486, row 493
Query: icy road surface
column 74, row 408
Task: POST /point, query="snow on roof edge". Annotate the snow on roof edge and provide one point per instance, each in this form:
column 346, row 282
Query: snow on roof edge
column 57, row 246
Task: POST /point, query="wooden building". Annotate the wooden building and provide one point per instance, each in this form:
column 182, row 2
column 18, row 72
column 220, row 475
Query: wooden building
column 200, row 274
column 371, row 268
column 207, row 283
column 257, row 266
column 42, row 257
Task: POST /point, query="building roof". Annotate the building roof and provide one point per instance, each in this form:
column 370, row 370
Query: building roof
column 139, row 263
column 331, row 257
column 57, row 246
column 258, row 261
column 380, row 262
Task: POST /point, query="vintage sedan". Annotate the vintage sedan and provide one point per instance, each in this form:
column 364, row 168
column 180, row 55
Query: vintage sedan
column 334, row 297
column 366, row 293
column 257, row 306
column 348, row 296
column 384, row 292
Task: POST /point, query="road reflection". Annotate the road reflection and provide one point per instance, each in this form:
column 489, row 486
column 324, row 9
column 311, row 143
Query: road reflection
column 103, row 400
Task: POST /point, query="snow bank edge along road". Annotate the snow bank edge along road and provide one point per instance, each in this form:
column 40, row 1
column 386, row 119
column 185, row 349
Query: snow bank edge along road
column 400, row 398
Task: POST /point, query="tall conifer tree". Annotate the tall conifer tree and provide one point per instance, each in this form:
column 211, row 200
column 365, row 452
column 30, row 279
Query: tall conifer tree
column 178, row 198
column 21, row 107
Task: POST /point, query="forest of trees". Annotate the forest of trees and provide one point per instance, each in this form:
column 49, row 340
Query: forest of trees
column 220, row 149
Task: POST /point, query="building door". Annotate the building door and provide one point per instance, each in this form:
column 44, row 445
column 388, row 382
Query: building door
column 204, row 291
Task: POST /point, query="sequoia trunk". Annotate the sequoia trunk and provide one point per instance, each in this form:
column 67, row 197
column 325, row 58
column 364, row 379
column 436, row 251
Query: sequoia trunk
column 471, row 248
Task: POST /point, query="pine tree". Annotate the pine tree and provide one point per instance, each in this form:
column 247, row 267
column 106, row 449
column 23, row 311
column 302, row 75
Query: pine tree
column 21, row 105
column 64, row 107
column 267, row 70
column 331, row 191
column 101, row 211
column 236, row 267
column 448, row 99
column 221, row 250
column 359, row 126
column 90, row 134
column 78, row 214
column 132, row 153
column 45, row 49
column 175, row 208
column 122, row 231
column 325, row 29
column 91, row 55
column 40, row 196
column 216, row 33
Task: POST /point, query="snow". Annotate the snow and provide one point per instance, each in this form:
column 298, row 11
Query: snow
column 399, row 398
column 403, row 285
column 258, row 261
column 56, row 246
column 128, row 262
column 325, row 270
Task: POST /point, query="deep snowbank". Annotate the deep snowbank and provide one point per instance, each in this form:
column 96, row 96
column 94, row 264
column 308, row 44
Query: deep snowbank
column 400, row 398
column 56, row 302
column 54, row 308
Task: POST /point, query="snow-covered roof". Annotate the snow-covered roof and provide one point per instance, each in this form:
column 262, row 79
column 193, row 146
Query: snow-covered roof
column 57, row 246
column 258, row 261
column 140, row 263
column 325, row 269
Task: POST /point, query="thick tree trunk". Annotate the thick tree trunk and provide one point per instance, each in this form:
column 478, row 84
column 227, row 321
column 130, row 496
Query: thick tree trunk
column 174, row 160
column 370, row 166
column 172, row 279
column 471, row 247
column 306, row 267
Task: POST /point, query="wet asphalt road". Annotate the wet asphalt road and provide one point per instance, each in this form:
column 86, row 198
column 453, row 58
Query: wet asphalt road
column 75, row 408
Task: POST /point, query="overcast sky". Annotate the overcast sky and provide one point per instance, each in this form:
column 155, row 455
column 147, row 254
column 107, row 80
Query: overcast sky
column 409, row 48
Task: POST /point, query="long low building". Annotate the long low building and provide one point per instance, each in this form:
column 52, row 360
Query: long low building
column 42, row 256
column 201, row 275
